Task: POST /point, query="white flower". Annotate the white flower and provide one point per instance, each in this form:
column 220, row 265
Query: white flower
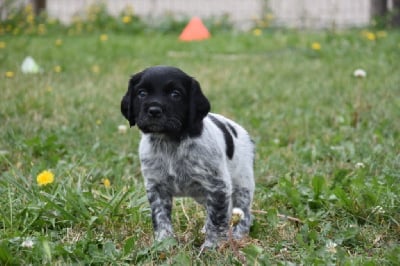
column 331, row 246
column 378, row 209
column 360, row 73
column 359, row 165
column 122, row 129
column 237, row 215
column 28, row 243
column 4, row 152
column 30, row 66
column 239, row 212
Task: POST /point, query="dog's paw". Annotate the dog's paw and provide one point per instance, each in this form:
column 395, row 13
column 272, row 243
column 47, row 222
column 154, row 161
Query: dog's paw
column 165, row 244
column 207, row 245
column 163, row 234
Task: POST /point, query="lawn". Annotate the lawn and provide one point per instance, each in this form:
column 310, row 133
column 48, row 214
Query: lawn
column 328, row 147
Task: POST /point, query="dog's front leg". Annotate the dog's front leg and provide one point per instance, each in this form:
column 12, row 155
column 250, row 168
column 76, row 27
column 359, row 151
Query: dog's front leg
column 161, row 205
column 218, row 215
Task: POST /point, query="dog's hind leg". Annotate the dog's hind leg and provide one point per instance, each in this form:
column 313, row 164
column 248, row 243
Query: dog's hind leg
column 242, row 199
column 218, row 214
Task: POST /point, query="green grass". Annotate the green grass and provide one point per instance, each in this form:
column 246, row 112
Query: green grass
column 327, row 148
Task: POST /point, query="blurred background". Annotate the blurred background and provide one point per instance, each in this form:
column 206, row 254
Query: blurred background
column 241, row 14
column 316, row 83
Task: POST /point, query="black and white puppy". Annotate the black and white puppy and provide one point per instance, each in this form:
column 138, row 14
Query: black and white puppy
column 187, row 151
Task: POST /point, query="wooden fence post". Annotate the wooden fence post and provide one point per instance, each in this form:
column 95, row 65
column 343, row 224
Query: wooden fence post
column 38, row 6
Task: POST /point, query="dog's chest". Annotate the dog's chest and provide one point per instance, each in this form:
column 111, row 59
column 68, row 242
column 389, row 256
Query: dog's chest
column 179, row 174
column 182, row 168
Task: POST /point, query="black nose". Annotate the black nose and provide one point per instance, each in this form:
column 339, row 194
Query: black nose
column 154, row 111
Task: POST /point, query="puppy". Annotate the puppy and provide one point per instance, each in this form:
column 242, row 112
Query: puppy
column 187, row 151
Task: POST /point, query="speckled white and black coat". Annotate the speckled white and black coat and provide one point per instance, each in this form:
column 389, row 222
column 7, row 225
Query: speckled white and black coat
column 187, row 151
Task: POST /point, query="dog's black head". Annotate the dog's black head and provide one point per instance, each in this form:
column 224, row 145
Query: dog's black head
column 165, row 100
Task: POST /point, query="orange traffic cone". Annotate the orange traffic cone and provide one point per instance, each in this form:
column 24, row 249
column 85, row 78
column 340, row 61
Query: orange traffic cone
column 194, row 31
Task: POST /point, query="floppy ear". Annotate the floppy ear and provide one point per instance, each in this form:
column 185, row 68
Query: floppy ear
column 127, row 101
column 199, row 106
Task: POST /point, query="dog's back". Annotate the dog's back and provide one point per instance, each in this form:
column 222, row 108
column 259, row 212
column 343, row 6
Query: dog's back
column 239, row 149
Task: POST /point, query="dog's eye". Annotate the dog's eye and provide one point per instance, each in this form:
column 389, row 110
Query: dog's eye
column 142, row 93
column 175, row 94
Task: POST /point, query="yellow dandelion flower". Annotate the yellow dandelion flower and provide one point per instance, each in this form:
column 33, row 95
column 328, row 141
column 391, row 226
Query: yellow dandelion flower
column 44, row 178
column 103, row 37
column 98, row 122
column 126, row 19
column 257, row 32
column 9, row 74
column 106, row 182
column 49, row 89
column 95, row 69
column 58, row 42
column 57, row 69
column 3, row 45
column 30, row 19
column 370, row 36
column 316, row 46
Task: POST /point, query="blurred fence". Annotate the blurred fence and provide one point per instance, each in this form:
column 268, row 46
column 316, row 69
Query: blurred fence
column 238, row 10
column 321, row 14
column 242, row 13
